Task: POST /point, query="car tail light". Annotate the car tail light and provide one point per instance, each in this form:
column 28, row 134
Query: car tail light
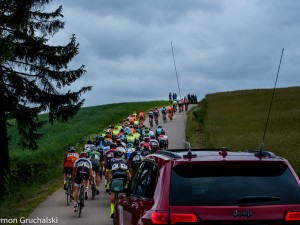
column 162, row 218
column 292, row 216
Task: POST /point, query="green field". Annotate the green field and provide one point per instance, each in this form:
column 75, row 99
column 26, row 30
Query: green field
column 237, row 120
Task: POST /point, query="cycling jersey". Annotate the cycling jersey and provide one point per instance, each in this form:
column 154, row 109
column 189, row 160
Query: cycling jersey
column 151, row 114
column 136, row 158
column 70, row 158
column 95, row 158
column 119, row 168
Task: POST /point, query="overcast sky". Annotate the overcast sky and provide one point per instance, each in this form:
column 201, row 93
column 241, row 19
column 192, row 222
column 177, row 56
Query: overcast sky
column 219, row 45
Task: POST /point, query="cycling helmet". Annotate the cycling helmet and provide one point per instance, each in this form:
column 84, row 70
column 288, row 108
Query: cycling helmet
column 113, row 145
column 119, row 153
column 83, row 155
column 118, row 141
column 152, row 137
column 72, row 149
column 147, row 139
column 89, row 149
column 162, row 132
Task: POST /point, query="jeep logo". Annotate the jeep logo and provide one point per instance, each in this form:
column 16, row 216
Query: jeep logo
column 241, row 213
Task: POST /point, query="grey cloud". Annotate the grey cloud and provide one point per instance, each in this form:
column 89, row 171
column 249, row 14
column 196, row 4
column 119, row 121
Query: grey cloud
column 218, row 45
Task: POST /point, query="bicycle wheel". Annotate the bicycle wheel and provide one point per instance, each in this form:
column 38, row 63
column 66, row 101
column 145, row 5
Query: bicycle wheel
column 69, row 192
column 93, row 191
column 81, row 198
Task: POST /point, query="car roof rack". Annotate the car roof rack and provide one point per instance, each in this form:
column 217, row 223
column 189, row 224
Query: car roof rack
column 169, row 153
column 260, row 153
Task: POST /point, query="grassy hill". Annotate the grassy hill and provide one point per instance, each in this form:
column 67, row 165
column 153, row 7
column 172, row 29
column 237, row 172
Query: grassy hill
column 237, row 120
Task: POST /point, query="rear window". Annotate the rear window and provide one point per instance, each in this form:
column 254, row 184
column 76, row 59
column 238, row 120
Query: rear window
column 225, row 184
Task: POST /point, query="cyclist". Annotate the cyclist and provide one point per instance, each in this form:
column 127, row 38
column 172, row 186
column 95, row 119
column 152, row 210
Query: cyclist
column 130, row 138
column 163, row 140
column 145, row 145
column 117, row 168
column 141, row 116
column 137, row 138
column 175, row 105
column 170, row 112
column 186, row 103
column 158, row 131
column 96, row 160
column 135, row 159
column 151, row 117
column 180, row 106
column 163, row 113
column 156, row 115
column 108, row 156
column 82, row 168
column 69, row 160
column 154, row 143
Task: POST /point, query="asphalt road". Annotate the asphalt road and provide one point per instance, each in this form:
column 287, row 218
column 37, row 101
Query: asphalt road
column 97, row 211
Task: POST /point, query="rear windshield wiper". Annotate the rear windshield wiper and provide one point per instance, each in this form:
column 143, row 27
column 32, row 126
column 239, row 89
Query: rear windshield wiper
column 257, row 199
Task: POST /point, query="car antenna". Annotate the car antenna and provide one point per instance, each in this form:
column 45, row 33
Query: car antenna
column 264, row 135
column 186, row 142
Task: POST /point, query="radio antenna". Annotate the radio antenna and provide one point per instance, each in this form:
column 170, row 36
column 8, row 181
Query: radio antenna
column 179, row 91
column 263, row 140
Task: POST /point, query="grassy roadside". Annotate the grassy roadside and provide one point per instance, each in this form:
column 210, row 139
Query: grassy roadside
column 37, row 174
column 237, row 120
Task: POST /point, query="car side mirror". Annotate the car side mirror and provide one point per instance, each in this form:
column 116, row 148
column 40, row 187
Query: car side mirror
column 117, row 185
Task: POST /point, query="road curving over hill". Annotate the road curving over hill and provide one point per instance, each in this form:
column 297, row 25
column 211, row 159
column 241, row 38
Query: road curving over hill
column 97, row 211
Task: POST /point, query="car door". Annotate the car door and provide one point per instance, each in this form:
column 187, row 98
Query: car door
column 132, row 206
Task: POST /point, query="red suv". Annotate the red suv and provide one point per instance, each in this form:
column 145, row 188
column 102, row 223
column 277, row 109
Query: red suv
column 211, row 187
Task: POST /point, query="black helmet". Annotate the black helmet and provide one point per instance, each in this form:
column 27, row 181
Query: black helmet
column 119, row 153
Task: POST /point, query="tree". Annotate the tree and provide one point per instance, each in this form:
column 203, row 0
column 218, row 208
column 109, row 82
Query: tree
column 33, row 74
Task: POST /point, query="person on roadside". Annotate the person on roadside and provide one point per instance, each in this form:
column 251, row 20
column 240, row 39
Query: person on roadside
column 82, row 168
column 69, row 160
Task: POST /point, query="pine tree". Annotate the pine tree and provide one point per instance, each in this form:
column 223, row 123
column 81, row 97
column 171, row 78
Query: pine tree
column 33, row 74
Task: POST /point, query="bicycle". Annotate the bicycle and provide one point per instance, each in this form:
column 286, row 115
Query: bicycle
column 156, row 119
column 94, row 189
column 164, row 117
column 81, row 196
column 151, row 121
column 69, row 191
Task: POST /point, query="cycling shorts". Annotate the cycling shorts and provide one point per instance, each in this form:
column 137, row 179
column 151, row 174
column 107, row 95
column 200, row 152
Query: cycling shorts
column 120, row 174
column 96, row 169
column 82, row 172
column 68, row 170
